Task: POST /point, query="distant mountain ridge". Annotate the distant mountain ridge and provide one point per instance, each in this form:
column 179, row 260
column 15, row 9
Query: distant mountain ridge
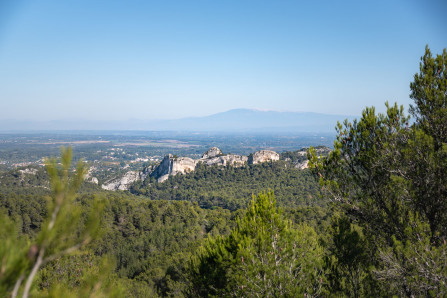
column 236, row 120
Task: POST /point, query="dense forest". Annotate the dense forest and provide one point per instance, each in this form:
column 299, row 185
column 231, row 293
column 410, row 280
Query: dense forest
column 367, row 219
column 231, row 187
column 150, row 237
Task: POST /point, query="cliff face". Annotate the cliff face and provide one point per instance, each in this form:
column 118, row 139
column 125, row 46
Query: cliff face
column 214, row 156
column 172, row 166
column 212, row 152
column 230, row 159
column 302, row 165
column 263, row 156
column 124, row 182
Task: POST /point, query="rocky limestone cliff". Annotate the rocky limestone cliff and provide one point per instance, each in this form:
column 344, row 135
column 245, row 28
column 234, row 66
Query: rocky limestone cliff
column 224, row 160
column 89, row 178
column 171, row 165
column 28, row 171
column 302, row 165
column 93, row 180
column 214, row 156
column 212, row 152
column 263, row 156
column 124, row 182
column 121, row 183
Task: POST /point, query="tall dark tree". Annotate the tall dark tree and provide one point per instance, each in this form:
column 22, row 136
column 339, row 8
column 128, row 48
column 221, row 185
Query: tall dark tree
column 263, row 256
column 391, row 179
column 347, row 258
column 429, row 92
column 428, row 146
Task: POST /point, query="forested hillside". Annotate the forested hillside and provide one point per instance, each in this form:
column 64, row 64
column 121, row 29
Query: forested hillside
column 232, row 187
column 148, row 237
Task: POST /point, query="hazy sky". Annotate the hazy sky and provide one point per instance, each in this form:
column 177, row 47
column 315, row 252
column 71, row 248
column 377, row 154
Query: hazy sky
column 169, row 59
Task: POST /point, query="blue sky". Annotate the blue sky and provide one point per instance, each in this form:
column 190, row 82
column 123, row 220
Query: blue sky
column 117, row 60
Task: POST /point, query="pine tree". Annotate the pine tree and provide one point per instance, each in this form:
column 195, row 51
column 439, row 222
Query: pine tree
column 391, row 179
column 264, row 255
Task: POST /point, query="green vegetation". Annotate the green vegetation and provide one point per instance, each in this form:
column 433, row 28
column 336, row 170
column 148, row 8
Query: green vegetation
column 231, row 187
column 65, row 230
column 389, row 178
column 148, row 243
column 264, row 255
column 376, row 227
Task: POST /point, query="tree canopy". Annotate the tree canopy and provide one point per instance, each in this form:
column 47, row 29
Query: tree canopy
column 264, row 255
column 390, row 178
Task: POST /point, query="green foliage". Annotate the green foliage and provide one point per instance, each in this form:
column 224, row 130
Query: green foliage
column 63, row 232
column 57, row 232
column 13, row 260
column 78, row 275
column 429, row 92
column 264, row 255
column 414, row 267
column 28, row 212
column 347, row 258
column 427, row 152
column 361, row 174
column 390, row 178
column 151, row 241
column 25, row 181
column 229, row 187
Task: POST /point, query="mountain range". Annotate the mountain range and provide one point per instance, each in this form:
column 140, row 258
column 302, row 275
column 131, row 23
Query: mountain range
column 236, row 120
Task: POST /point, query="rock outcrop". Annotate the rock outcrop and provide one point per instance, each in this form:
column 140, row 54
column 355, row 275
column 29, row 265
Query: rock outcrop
column 121, row 183
column 124, row 182
column 171, row 165
column 214, row 156
column 263, row 156
column 93, row 180
column 29, row 171
column 302, row 165
column 212, row 152
column 89, row 178
column 225, row 160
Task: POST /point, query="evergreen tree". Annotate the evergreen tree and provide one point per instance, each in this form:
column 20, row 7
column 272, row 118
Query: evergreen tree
column 263, row 256
column 429, row 92
column 391, row 179
column 347, row 258
column 427, row 160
